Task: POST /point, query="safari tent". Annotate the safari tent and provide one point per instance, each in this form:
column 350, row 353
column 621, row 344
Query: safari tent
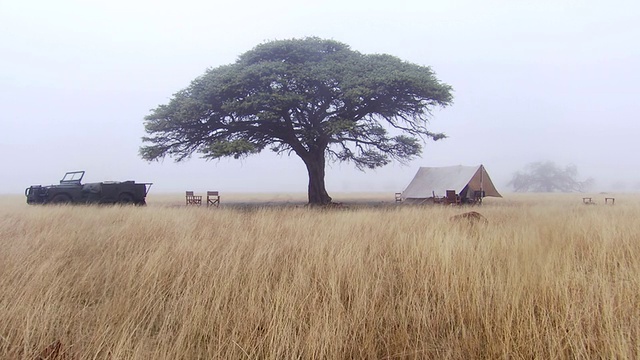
column 470, row 183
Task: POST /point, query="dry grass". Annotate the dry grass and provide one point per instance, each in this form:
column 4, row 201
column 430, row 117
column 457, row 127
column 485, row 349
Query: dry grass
column 546, row 278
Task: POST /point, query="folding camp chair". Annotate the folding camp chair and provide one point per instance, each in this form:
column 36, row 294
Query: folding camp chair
column 213, row 198
column 452, row 198
column 193, row 199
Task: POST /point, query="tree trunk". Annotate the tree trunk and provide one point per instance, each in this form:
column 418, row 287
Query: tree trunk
column 315, row 167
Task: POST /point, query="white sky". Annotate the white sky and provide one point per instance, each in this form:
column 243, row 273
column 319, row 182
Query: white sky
column 534, row 80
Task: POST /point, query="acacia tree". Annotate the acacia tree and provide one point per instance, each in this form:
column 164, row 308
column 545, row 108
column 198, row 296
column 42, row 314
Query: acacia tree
column 548, row 177
column 315, row 98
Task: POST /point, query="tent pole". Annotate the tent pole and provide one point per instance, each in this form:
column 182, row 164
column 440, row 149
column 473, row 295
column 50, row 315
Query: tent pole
column 481, row 183
column 481, row 178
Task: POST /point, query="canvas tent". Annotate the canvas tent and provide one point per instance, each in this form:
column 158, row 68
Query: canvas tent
column 435, row 181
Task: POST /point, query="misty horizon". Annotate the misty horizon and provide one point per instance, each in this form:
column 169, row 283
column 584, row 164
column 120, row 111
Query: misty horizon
column 546, row 81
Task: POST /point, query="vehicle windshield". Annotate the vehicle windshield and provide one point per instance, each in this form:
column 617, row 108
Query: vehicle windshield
column 72, row 177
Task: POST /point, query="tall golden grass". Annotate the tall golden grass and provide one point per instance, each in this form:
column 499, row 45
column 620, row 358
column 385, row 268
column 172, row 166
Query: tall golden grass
column 546, row 278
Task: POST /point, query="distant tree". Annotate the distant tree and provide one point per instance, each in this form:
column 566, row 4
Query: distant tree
column 548, row 177
column 315, row 98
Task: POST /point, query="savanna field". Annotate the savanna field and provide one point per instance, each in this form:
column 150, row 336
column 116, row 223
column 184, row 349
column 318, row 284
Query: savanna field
column 546, row 278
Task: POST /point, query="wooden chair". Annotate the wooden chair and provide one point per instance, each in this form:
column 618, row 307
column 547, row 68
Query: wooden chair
column 452, row 198
column 437, row 199
column 193, row 199
column 213, row 198
column 609, row 200
column 398, row 197
column 477, row 197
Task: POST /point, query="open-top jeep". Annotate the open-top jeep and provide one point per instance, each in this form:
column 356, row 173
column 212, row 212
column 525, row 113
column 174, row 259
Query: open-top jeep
column 72, row 191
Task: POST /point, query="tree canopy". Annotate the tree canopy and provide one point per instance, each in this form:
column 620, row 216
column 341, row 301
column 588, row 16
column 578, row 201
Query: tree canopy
column 548, row 177
column 315, row 98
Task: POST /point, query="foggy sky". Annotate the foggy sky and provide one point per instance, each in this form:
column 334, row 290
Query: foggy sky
column 533, row 81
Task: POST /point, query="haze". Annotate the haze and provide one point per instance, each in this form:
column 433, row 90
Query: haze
column 533, row 81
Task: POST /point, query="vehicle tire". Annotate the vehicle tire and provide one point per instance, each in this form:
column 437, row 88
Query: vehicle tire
column 60, row 199
column 125, row 199
column 141, row 203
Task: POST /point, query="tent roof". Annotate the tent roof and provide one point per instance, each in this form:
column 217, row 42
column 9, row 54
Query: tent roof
column 437, row 180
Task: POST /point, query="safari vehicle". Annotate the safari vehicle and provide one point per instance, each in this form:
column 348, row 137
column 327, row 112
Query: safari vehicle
column 72, row 191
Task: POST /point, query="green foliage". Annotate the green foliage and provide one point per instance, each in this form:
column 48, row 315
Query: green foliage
column 235, row 148
column 300, row 95
column 313, row 97
column 548, row 177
